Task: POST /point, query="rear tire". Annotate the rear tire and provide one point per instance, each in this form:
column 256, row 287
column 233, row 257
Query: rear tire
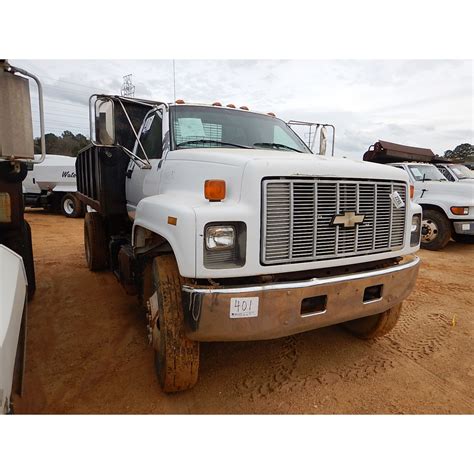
column 71, row 206
column 435, row 230
column 95, row 242
column 176, row 356
column 375, row 326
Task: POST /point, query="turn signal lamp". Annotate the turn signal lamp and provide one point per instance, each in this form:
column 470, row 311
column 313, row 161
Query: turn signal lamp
column 214, row 190
column 412, row 191
column 180, row 101
column 231, row 106
column 460, row 211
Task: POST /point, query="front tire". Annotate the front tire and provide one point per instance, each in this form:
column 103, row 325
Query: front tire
column 375, row 326
column 435, row 230
column 71, row 206
column 176, row 356
column 95, row 242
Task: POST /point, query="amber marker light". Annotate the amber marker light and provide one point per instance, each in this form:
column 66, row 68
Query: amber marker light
column 460, row 211
column 180, row 101
column 214, row 190
column 217, row 104
column 231, row 106
column 271, row 113
column 244, row 107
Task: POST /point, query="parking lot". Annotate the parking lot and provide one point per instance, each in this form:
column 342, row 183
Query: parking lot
column 88, row 350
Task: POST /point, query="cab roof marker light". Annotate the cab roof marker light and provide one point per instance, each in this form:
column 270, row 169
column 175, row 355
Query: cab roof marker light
column 180, row 101
column 271, row 113
column 217, row 104
column 231, row 106
column 244, row 107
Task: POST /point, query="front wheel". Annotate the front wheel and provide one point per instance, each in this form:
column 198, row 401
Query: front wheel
column 435, row 230
column 71, row 206
column 176, row 356
column 376, row 325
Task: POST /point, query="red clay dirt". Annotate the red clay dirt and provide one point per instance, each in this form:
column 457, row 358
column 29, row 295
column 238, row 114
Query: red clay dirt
column 88, row 350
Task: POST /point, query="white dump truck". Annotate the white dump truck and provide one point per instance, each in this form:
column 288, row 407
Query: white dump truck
column 448, row 207
column 229, row 228
column 51, row 184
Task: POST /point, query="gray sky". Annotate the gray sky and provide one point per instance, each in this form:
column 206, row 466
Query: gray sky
column 427, row 103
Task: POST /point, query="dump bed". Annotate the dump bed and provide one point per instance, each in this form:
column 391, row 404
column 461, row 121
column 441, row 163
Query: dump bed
column 387, row 152
column 101, row 179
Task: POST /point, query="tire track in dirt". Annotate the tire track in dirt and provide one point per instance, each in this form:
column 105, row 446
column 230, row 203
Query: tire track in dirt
column 382, row 355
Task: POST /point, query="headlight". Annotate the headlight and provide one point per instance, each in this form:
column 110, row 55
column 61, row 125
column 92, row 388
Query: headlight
column 415, row 230
column 220, row 237
column 225, row 245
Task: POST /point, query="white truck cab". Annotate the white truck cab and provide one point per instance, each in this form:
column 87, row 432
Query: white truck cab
column 448, row 207
column 456, row 172
column 229, row 228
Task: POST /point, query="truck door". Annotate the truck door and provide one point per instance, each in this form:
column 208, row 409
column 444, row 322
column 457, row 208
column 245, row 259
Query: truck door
column 142, row 183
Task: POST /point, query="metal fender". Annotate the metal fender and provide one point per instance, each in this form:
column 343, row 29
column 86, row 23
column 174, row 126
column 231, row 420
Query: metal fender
column 64, row 188
column 171, row 217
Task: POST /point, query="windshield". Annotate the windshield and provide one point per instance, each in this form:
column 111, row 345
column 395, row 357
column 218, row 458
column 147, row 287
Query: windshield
column 210, row 127
column 426, row 173
column 461, row 171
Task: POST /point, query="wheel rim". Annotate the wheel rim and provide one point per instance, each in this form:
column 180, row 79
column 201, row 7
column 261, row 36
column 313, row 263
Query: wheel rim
column 429, row 231
column 68, row 206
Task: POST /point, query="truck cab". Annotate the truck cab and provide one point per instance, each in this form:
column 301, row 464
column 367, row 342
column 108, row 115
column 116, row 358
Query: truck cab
column 448, row 207
column 229, row 228
column 456, row 172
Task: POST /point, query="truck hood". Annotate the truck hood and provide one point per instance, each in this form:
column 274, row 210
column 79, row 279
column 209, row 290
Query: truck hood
column 457, row 190
column 282, row 163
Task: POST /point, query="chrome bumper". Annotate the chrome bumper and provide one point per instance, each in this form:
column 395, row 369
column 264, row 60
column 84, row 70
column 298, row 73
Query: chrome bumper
column 207, row 309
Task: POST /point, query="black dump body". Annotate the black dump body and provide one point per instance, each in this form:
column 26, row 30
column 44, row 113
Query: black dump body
column 387, row 152
column 100, row 178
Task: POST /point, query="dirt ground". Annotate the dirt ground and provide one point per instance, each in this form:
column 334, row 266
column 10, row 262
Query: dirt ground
column 88, row 350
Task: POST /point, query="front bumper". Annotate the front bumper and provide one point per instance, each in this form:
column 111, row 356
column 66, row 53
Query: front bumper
column 207, row 310
column 464, row 227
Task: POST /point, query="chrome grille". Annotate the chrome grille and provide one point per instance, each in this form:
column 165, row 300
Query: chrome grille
column 298, row 214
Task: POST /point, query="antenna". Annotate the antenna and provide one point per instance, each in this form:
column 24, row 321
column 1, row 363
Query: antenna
column 174, row 82
column 128, row 89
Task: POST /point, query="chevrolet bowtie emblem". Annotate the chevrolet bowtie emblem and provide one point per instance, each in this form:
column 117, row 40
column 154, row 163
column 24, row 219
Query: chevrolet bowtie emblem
column 348, row 219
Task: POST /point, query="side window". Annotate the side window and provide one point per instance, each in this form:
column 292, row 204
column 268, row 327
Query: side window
column 446, row 173
column 151, row 137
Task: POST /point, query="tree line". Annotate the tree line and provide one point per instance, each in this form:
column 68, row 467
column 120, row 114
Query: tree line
column 66, row 144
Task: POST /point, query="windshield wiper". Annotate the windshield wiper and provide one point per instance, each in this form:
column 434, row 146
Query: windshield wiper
column 277, row 146
column 208, row 140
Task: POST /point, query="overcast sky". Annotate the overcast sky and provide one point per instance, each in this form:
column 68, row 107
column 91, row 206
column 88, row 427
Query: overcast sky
column 427, row 103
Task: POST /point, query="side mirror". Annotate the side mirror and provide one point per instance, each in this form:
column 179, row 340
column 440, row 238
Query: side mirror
column 323, row 140
column 104, row 122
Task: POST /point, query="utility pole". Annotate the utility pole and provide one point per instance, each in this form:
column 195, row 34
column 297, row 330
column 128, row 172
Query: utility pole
column 128, row 89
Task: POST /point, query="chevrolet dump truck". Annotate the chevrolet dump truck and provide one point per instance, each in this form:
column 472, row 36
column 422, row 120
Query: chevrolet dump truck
column 228, row 228
column 448, row 208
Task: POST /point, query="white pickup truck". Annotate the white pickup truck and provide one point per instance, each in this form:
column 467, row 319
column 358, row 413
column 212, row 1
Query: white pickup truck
column 448, row 207
column 51, row 184
column 230, row 229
